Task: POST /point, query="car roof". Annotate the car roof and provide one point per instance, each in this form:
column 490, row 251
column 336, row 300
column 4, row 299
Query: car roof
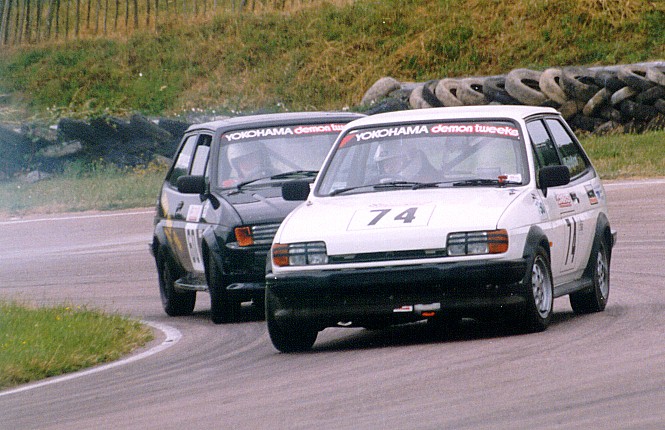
column 276, row 119
column 515, row 112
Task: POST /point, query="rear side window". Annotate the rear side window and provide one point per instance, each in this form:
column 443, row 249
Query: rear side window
column 571, row 155
column 543, row 146
column 192, row 158
column 553, row 145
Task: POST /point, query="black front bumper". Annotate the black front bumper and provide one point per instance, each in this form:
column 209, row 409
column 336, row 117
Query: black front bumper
column 326, row 297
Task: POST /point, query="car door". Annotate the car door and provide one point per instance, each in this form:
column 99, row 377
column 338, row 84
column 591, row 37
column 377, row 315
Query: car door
column 183, row 210
column 568, row 227
column 579, row 217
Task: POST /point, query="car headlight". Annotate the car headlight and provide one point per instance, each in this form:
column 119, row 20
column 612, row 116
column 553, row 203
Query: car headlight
column 477, row 242
column 299, row 254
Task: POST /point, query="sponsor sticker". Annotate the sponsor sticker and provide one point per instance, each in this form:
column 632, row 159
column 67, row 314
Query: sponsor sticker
column 194, row 213
column 591, row 194
column 308, row 129
column 564, row 200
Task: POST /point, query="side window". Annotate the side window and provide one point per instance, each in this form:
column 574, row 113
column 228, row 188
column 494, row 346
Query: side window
column 193, row 157
column 201, row 156
column 570, row 152
column 181, row 166
column 546, row 154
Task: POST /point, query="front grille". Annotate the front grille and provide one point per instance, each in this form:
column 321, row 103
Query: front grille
column 264, row 234
column 387, row 256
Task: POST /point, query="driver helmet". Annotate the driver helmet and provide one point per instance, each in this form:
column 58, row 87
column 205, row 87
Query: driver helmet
column 246, row 159
column 391, row 158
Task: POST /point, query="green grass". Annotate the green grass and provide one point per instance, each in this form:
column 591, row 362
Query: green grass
column 83, row 188
column 622, row 156
column 36, row 343
column 323, row 57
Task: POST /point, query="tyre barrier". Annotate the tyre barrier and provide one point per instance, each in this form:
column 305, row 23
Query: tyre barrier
column 124, row 143
column 628, row 98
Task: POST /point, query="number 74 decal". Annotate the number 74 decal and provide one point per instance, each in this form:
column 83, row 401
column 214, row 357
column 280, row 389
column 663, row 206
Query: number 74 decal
column 398, row 216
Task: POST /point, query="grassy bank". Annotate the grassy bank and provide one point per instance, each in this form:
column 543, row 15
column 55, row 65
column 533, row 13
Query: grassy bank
column 36, row 343
column 322, row 57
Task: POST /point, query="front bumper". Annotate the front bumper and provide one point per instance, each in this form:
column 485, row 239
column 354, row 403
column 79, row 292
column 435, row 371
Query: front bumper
column 326, row 297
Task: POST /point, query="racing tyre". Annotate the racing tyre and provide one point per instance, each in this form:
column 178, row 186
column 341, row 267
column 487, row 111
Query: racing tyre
column 416, row 99
column 595, row 300
column 446, row 92
column 222, row 308
column 523, row 84
column 550, row 85
column 494, row 89
column 579, row 83
column 288, row 337
column 175, row 303
column 470, row 92
column 428, row 94
column 539, row 294
column 635, row 77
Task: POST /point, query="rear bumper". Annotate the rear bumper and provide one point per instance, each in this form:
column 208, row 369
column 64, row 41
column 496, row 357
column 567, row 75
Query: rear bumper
column 326, row 297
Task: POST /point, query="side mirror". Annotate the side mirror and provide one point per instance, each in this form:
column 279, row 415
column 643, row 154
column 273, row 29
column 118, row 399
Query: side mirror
column 296, row 190
column 553, row 176
column 191, row 184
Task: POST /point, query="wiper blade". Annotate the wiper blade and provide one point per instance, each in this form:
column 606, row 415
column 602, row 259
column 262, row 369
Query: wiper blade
column 239, row 186
column 295, row 173
column 344, row 190
column 380, row 186
column 396, row 184
column 484, row 182
column 428, row 185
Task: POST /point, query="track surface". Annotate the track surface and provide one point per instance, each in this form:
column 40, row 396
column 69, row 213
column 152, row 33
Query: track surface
column 604, row 370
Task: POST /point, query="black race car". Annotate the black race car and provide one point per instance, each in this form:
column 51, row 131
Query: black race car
column 221, row 204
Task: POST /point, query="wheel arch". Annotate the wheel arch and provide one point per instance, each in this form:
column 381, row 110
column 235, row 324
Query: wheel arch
column 210, row 247
column 602, row 232
column 535, row 238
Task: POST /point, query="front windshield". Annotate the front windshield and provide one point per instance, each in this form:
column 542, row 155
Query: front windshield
column 474, row 153
column 255, row 154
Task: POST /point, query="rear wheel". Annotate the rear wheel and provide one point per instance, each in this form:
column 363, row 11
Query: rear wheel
column 288, row 337
column 539, row 293
column 222, row 308
column 175, row 303
column 595, row 300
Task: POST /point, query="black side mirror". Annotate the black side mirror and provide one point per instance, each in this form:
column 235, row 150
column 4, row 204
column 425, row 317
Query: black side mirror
column 191, row 184
column 553, row 176
column 296, row 190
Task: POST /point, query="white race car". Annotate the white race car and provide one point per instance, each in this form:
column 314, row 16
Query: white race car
column 441, row 214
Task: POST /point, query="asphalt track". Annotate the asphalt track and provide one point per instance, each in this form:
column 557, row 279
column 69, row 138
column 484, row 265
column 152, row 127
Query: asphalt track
column 604, row 370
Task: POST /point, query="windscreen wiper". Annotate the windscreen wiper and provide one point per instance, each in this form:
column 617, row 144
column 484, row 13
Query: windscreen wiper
column 484, row 182
column 296, row 174
column 379, row 186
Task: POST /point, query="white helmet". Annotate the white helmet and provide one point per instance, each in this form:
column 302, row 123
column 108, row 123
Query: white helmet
column 245, row 152
column 239, row 150
column 386, row 152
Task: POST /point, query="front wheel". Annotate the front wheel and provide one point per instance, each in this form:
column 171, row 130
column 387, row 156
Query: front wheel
column 175, row 303
column 539, row 293
column 222, row 308
column 595, row 300
column 287, row 337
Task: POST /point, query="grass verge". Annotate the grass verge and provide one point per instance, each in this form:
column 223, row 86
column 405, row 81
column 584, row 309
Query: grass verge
column 37, row 343
column 624, row 156
column 98, row 188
